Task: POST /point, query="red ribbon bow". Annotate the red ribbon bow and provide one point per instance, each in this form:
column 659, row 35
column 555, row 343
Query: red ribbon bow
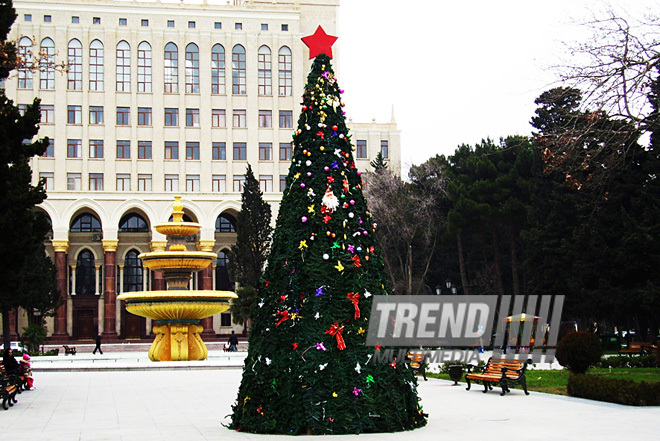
column 284, row 314
column 356, row 261
column 355, row 298
column 336, row 330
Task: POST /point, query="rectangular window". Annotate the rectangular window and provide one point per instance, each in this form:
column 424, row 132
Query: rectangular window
column 361, row 149
column 282, row 183
column 171, row 149
column 218, row 118
column 266, row 183
column 285, row 151
column 96, row 182
column 192, row 150
column 144, row 116
column 47, row 114
column 74, row 114
column 170, row 23
column 123, row 116
column 219, row 151
column 192, row 182
column 50, row 149
column 286, row 119
column 123, row 149
column 217, row 25
column 144, row 149
column 144, row 22
column 265, row 119
column 219, row 183
column 75, row 19
column 238, row 26
column 171, row 117
column 123, row 22
column 48, row 180
column 385, row 148
column 74, row 148
column 240, row 118
column 192, row 117
column 123, row 182
column 27, row 17
column 285, row 27
column 265, row 151
column 239, row 182
column 240, row 151
column 264, row 26
column 22, row 108
column 73, row 182
column 144, row 182
column 225, row 319
column 96, row 20
column 96, row 148
column 191, row 25
column 48, row 18
column 171, row 182
column 96, row 114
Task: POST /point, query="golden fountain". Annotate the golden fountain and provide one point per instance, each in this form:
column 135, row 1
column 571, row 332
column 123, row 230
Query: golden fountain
column 178, row 310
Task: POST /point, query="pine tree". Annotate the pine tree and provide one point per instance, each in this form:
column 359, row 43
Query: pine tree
column 248, row 256
column 21, row 229
column 379, row 163
column 308, row 370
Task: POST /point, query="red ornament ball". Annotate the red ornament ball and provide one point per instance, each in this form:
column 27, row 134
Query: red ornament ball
column 335, row 128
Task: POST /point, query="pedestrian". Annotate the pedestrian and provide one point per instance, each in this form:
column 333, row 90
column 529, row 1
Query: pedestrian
column 98, row 344
column 233, row 341
column 25, row 370
column 9, row 362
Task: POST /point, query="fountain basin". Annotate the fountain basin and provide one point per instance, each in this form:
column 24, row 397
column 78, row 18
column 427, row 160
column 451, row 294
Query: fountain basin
column 190, row 261
column 177, row 307
column 178, row 229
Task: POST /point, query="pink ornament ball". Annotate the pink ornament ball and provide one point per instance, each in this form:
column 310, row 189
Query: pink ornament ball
column 359, row 173
column 352, row 202
column 326, row 168
column 365, row 233
column 303, row 219
column 302, row 185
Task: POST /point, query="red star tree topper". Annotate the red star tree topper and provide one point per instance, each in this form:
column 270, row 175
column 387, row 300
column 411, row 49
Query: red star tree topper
column 319, row 43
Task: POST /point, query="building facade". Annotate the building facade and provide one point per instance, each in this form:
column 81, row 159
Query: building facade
column 157, row 99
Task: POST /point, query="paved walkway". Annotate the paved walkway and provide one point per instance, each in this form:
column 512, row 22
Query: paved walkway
column 153, row 403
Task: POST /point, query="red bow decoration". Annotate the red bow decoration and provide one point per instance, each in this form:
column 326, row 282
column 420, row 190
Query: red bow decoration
column 355, row 298
column 336, row 330
column 356, row 260
column 326, row 218
column 284, row 314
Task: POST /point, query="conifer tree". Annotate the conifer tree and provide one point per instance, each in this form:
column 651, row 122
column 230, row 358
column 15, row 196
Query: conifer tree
column 308, row 370
column 21, row 229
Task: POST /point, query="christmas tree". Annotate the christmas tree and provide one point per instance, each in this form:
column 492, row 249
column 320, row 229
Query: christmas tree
column 308, row 370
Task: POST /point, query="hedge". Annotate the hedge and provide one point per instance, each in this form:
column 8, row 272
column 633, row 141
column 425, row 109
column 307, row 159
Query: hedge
column 614, row 390
column 624, row 361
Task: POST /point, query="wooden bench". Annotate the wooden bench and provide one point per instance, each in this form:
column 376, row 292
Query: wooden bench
column 501, row 372
column 69, row 350
column 8, row 388
column 418, row 363
column 637, row 347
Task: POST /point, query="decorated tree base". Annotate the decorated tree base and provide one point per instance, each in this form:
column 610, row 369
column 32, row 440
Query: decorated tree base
column 308, row 370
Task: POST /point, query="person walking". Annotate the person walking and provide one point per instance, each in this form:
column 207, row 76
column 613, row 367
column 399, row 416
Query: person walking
column 233, row 341
column 98, row 344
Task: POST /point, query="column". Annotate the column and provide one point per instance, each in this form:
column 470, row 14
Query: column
column 206, row 276
column 61, row 247
column 109, row 292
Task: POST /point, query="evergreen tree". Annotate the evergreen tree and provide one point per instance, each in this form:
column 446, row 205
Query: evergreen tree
column 21, row 228
column 379, row 163
column 308, row 370
column 248, row 256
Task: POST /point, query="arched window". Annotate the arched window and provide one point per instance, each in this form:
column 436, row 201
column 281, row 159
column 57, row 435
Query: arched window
column 133, row 272
column 265, row 72
column 218, row 69
column 238, row 84
column 144, row 67
column 285, row 71
column 47, row 64
column 222, row 281
column 133, row 223
column 74, row 61
column 123, row 67
column 192, row 68
column 85, row 274
column 96, row 65
column 86, row 223
column 225, row 223
column 171, row 68
column 24, row 71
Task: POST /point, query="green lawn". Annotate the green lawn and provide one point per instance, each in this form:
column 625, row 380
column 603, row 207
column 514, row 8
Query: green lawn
column 554, row 381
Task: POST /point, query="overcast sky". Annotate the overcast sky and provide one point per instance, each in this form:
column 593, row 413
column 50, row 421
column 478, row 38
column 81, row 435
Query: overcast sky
column 456, row 72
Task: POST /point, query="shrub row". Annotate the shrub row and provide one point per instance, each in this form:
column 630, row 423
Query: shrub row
column 623, row 361
column 614, row 390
